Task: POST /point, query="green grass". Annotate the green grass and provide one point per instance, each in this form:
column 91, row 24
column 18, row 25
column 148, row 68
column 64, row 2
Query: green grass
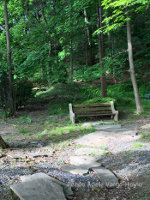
column 145, row 113
column 29, row 134
column 80, row 145
column 109, row 123
column 103, row 148
column 23, row 130
column 58, row 109
column 138, row 144
column 22, row 120
column 145, row 135
column 66, row 130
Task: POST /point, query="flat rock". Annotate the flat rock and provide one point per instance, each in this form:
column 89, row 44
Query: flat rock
column 17, row 155
column 89, row 151
column 88, row 124
column 41, row 175
column 84, row 161
column 42, row 152
column 106, row 177
column 108, row 126
column 96, row 138
column 146, row 126
column 75, row 169
column 38, row 189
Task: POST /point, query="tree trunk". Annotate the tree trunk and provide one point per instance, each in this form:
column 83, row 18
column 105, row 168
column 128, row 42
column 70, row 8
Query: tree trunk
column 9, row 62
column 71, row 59
column 3, row 144
column 139, row 107
column 88, row 42
column 49, row 42
column 101, row 52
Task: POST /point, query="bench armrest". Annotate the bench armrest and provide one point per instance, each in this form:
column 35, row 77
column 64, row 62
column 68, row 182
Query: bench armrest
column 71, row 113
column 115, row 112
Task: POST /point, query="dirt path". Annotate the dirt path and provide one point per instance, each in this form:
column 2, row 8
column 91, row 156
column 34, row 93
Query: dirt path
column 126, row 154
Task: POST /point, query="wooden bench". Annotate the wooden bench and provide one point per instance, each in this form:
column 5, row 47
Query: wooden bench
column 93, row 110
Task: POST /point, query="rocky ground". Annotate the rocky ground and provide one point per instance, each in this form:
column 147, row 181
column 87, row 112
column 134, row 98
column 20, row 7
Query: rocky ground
column 127, row 155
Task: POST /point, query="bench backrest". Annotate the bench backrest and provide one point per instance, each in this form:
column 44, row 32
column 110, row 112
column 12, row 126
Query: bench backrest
column 92, row 108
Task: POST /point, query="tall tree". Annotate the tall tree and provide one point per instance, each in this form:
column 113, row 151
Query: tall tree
column 12, row 105
column 119, row 15
column 132, row 70
column 101, row 51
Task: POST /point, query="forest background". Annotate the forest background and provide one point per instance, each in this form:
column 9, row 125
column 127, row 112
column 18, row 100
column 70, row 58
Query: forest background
column 101, row 47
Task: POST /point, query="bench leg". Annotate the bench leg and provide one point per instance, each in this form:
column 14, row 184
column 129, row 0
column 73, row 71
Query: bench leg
column 72, row 118
column 116, row 117
column 72, row 115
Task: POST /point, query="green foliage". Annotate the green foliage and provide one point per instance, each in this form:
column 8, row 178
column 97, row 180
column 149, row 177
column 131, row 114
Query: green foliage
column 120, row 10
column 23, row 130
column 46, row 39
column 58, row 109
column 138, row 144
column 108, row 123
column 99, row 100
column 123, row 93
column 23, row 91
column 23, row 120
column 65, row 92
column 144, row 88
column 145, row 135
column 68, row 129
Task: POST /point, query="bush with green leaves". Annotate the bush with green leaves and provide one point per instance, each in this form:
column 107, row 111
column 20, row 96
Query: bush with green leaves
column 144, row 88
column 23, row 91
column 122, row 93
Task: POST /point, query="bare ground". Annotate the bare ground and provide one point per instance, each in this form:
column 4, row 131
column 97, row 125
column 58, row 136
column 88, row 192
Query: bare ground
column 31, row 152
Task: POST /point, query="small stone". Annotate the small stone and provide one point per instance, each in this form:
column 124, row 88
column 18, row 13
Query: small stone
column 84, row 161
column 39, row 145
column 106, row 177
column 74, row 169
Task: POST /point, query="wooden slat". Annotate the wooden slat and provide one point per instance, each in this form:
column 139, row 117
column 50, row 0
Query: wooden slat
column 91, row 105
column 93, row 114
column 103, row 112
column 77, row 110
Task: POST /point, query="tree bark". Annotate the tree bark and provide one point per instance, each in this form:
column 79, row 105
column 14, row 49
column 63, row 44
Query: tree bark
column 88, row 42
column 9, row 62
column 3, row 144
column 71, row 59
column 101, row 51
column 49, row 42
column 139, row 107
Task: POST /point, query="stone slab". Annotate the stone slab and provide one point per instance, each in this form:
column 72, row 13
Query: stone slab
column 106, row 177
column 89, row 151
column 36, row 176
column 75, row 169
column 42, row 152
column 108, row 126
column 96, row 138
column 84, row 161
column 40, row 189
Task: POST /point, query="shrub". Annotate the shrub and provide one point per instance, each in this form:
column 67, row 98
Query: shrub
column 23, row 91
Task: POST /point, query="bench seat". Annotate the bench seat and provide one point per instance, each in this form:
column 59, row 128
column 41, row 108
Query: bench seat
column 92, row 110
